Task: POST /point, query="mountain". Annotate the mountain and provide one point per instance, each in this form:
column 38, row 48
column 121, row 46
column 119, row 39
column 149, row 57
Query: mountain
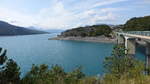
column 138, row 24
column 7, row 29
column 88, row 31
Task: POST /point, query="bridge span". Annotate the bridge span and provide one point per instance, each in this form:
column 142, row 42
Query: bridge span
column 129, row 39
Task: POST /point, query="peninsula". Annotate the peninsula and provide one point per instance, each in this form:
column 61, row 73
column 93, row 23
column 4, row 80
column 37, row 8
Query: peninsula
column 95, row 33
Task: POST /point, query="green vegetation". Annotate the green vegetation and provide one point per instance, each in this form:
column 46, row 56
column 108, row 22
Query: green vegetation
column 56, row 75
column 9, row 70
column 120, row 64
column 120, row 69
column 123, row 69
column 138, row 24
column 89, row 31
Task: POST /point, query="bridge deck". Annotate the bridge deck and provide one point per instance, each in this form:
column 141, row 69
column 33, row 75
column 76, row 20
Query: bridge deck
column 137, row 34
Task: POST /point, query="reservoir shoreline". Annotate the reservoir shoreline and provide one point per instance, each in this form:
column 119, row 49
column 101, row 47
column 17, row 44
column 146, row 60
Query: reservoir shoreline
column 99, row 39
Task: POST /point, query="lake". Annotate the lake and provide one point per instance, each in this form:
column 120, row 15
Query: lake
column 37, row 49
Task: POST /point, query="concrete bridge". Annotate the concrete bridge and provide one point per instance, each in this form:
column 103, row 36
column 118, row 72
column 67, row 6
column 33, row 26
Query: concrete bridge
column 130, row 39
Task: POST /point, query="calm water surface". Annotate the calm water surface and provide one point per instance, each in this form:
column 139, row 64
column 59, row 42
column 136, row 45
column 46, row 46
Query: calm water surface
column 37, row 49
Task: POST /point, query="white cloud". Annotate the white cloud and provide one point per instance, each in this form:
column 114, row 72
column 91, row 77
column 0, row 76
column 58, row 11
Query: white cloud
column 97, row 16
column 14, row 16
column 107, row 2
column 55, row 17
column 59, row 17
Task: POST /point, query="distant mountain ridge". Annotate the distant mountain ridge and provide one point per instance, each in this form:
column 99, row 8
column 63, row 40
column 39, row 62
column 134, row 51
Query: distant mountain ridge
column 7, row 29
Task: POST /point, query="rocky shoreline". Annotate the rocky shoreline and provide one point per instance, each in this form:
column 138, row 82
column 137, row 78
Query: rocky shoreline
column 101, row 39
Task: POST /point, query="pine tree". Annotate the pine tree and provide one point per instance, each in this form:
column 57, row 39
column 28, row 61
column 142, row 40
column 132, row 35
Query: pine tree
column 119, row 63
column 3, row 56
column 9, row 70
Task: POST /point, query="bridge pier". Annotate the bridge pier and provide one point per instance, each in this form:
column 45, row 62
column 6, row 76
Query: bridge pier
column 120, row 39
column 147, row 54
column 130, row 45
column 129, row 40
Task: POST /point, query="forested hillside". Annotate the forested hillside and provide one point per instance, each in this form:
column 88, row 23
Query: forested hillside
column 90, row 31
column 138, row 24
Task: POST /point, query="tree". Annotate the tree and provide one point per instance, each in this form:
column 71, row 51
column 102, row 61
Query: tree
column 75, row 76
column 42, row 75
column 57, row 74
column 120, row 64
column 3, row 56
column 102, row 30
column 9, row 70
column 12, row 72
column 37, row 75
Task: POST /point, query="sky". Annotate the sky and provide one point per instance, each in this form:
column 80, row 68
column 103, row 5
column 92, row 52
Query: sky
column 66, row 14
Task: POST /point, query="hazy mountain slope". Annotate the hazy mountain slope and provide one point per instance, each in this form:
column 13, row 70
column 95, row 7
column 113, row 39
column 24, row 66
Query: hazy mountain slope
column 8, row 29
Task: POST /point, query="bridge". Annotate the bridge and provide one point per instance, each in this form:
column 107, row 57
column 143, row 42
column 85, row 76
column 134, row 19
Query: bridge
column 130, row 39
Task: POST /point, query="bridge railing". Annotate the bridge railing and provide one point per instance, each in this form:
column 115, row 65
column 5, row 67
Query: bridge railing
column 143, row 33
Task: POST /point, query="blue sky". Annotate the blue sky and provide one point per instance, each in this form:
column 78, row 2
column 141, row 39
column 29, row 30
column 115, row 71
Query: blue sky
column 65, row 14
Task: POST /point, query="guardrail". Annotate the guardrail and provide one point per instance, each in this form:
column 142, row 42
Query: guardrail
column 142, row 33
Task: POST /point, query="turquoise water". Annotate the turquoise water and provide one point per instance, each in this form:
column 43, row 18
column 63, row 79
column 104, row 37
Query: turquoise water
column 37, row 49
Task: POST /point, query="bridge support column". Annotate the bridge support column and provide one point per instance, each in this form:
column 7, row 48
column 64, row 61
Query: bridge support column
column 120, row 39
column 130, row 45
column 147, row 54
